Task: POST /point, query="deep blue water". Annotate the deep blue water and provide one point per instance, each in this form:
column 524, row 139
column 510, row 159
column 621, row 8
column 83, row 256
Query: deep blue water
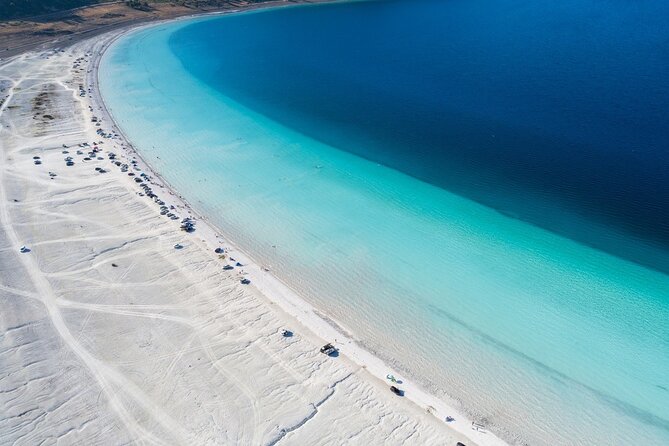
column 554, row 112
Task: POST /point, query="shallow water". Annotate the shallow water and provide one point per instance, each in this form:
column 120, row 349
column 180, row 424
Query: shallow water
column 404, row 234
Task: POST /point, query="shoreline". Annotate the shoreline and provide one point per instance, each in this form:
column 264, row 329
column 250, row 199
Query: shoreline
column 208, row 237
column 277, row 291
column 58, row 29
column 281, row 294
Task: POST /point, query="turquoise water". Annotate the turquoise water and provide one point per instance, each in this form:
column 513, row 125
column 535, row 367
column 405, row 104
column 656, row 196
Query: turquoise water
column 545, row 339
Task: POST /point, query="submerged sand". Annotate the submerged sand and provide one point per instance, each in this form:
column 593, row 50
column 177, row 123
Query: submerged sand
column 110, row 335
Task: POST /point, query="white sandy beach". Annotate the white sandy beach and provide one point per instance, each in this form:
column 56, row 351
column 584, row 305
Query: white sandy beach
column 110, row 335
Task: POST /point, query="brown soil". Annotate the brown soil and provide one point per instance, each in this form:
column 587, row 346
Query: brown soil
column 64, row 28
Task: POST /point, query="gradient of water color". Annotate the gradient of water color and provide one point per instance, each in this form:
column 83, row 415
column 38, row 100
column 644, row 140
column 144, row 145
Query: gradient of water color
column 545, row 338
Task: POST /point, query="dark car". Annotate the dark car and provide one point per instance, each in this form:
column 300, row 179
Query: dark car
column 396, row 391
column 328, row 349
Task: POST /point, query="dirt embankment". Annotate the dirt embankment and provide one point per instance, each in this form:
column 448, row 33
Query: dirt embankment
column 61, row 29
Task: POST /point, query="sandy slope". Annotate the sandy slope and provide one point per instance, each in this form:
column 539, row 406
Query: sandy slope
column 74, row 25
column 165, row 347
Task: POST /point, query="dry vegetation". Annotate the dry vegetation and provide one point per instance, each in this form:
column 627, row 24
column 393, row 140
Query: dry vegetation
column 65, row 27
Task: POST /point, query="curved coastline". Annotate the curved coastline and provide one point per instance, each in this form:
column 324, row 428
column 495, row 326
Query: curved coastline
column 542, row 339
column 388, row 355
column 272, row 287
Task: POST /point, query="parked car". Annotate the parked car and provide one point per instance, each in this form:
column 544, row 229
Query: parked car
column 328, row 349
column 396, row 391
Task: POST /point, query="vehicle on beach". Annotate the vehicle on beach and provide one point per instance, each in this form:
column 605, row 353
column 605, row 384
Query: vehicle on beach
column 328, row 349
column 187, row 225
column 396, row 391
